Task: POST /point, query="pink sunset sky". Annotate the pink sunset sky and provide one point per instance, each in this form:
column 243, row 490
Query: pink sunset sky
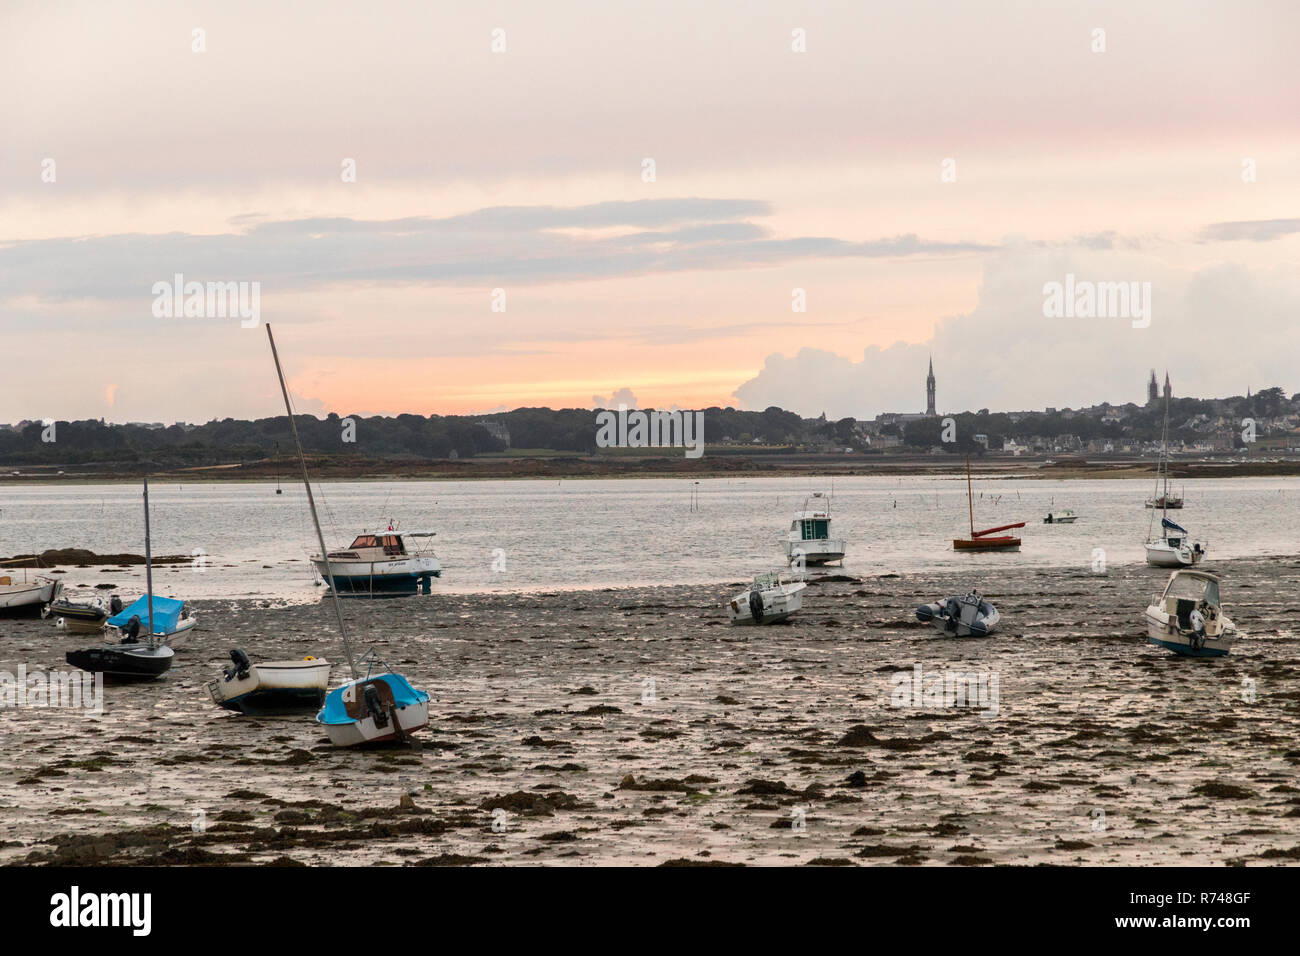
column 1171, row 157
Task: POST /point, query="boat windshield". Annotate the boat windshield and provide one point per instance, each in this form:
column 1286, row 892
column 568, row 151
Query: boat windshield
column 815, row 529
column 391, row 543
column 1185, row 587
column 764, row 582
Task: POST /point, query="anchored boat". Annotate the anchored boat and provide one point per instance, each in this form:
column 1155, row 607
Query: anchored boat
column 771, row 598
column 1188, row 618
column 132, row 658
column 366, row 710
column 379, row 564
column 1173, row 549
column 988, row 539
column 24, row 597
column 1064, row 516
column 968, row 616
column 270, row 687
column 809, row 540
column 172, row 618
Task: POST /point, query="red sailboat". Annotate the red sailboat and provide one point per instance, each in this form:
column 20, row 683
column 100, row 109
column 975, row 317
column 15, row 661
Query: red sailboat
column 988, row 539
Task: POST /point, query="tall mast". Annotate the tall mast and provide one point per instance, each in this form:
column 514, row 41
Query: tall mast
column 311, row 503
column 148, row 561
column 970, row 504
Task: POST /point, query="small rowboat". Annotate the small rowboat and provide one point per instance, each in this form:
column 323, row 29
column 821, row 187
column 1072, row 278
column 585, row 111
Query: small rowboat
column 988, row 539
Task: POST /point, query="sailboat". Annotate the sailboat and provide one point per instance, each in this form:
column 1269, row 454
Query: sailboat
column 378, row 707
column 988, row 539
column 131, row 659
column 1173, row 549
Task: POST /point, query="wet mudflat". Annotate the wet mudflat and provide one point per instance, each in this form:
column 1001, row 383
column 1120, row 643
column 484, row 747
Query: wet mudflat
column 635, row 726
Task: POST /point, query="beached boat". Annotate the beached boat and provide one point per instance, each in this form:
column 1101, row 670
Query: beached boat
column 376, row 708
column 770, row 598
column 1173, row 549
column 967, row 616
column 271, row 687
column 1064, row 516
column 809, row 540
column 1188, row 618
column 988, row 539
column 136, row 656
column 81, row 617
column 28, row 596
column 172, row 618
column 379, row 564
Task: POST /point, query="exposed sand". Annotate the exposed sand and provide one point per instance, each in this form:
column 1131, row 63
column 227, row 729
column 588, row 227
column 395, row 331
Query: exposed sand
column 1105, row 749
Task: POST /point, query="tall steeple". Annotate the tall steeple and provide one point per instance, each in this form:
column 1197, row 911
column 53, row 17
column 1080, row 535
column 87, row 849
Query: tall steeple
column 1153, row 389
column 1169, row 392
column 929, row 390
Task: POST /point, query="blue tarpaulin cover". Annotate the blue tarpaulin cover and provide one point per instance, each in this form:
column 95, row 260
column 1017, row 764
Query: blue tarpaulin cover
column 1165, row 522
column 335, row 709
column 167, row 611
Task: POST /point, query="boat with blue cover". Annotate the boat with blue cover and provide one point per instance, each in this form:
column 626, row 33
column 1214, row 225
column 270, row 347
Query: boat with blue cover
column 376, row 708
column 172, row 618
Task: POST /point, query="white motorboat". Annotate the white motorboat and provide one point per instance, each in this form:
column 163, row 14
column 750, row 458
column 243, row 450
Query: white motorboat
column 1064, row 516
column 270, row 687
column 769, row 599
column 968, row 616
column 809, row 540
column 29, row 595
column 1188, row 618
column 379, row 564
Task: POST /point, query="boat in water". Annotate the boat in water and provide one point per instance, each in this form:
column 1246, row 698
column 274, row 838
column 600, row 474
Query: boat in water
column 172, row 619
column 270, row 687
column 81, row 617
column 379, row 564
column 376, row 708
column 1064, row 516
column 136, row 656
column 1173, row 549
column 1188, row 618
column 809, row 540
column 966, row 616
column 771, row 597
column 988, row 539
column 28, row 596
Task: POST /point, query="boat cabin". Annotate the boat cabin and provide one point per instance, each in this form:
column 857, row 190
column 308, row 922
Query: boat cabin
column 1188, row 590
column 388, row 542
column 811, row 526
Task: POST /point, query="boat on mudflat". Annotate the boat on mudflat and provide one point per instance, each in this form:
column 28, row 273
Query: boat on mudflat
column 172, row 619
column 1173, row 549
column 967, row 616
column 270, row 687
column 81, row 617
column 769, row 599
column 27, row 596
column 809, row 540
column 1188, row 618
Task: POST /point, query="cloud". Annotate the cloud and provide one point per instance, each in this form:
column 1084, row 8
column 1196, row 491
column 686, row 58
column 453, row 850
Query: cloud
column 1253, row 230
column 623, row 396
column 1217, row 330
column 495, row 245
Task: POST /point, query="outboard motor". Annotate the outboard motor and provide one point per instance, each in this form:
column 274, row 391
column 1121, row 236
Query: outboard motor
column 132, row 632
column 756, row 606
column 375, row 706
column 239, row 665
column 115, row 605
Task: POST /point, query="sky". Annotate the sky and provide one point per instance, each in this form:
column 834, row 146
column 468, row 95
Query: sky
column 448, row 209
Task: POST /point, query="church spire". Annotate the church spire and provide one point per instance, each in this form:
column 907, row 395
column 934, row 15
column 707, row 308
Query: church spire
column 929, row 391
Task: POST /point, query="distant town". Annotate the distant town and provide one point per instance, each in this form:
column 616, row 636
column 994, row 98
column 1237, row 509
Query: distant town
column 1254, row 426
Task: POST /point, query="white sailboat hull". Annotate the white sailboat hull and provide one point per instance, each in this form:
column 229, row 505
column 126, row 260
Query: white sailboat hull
column 365, row 731
column 28, row 597
column 1161, row 555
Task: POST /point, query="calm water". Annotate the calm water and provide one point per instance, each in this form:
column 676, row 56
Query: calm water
column 610, row 533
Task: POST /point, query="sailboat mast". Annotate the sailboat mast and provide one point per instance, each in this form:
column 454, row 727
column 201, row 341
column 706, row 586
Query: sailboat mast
column 970, row 504
column 148, row 561
column 311, row 503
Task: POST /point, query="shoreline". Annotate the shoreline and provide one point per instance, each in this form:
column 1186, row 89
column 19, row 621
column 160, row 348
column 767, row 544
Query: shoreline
column 635, row 726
